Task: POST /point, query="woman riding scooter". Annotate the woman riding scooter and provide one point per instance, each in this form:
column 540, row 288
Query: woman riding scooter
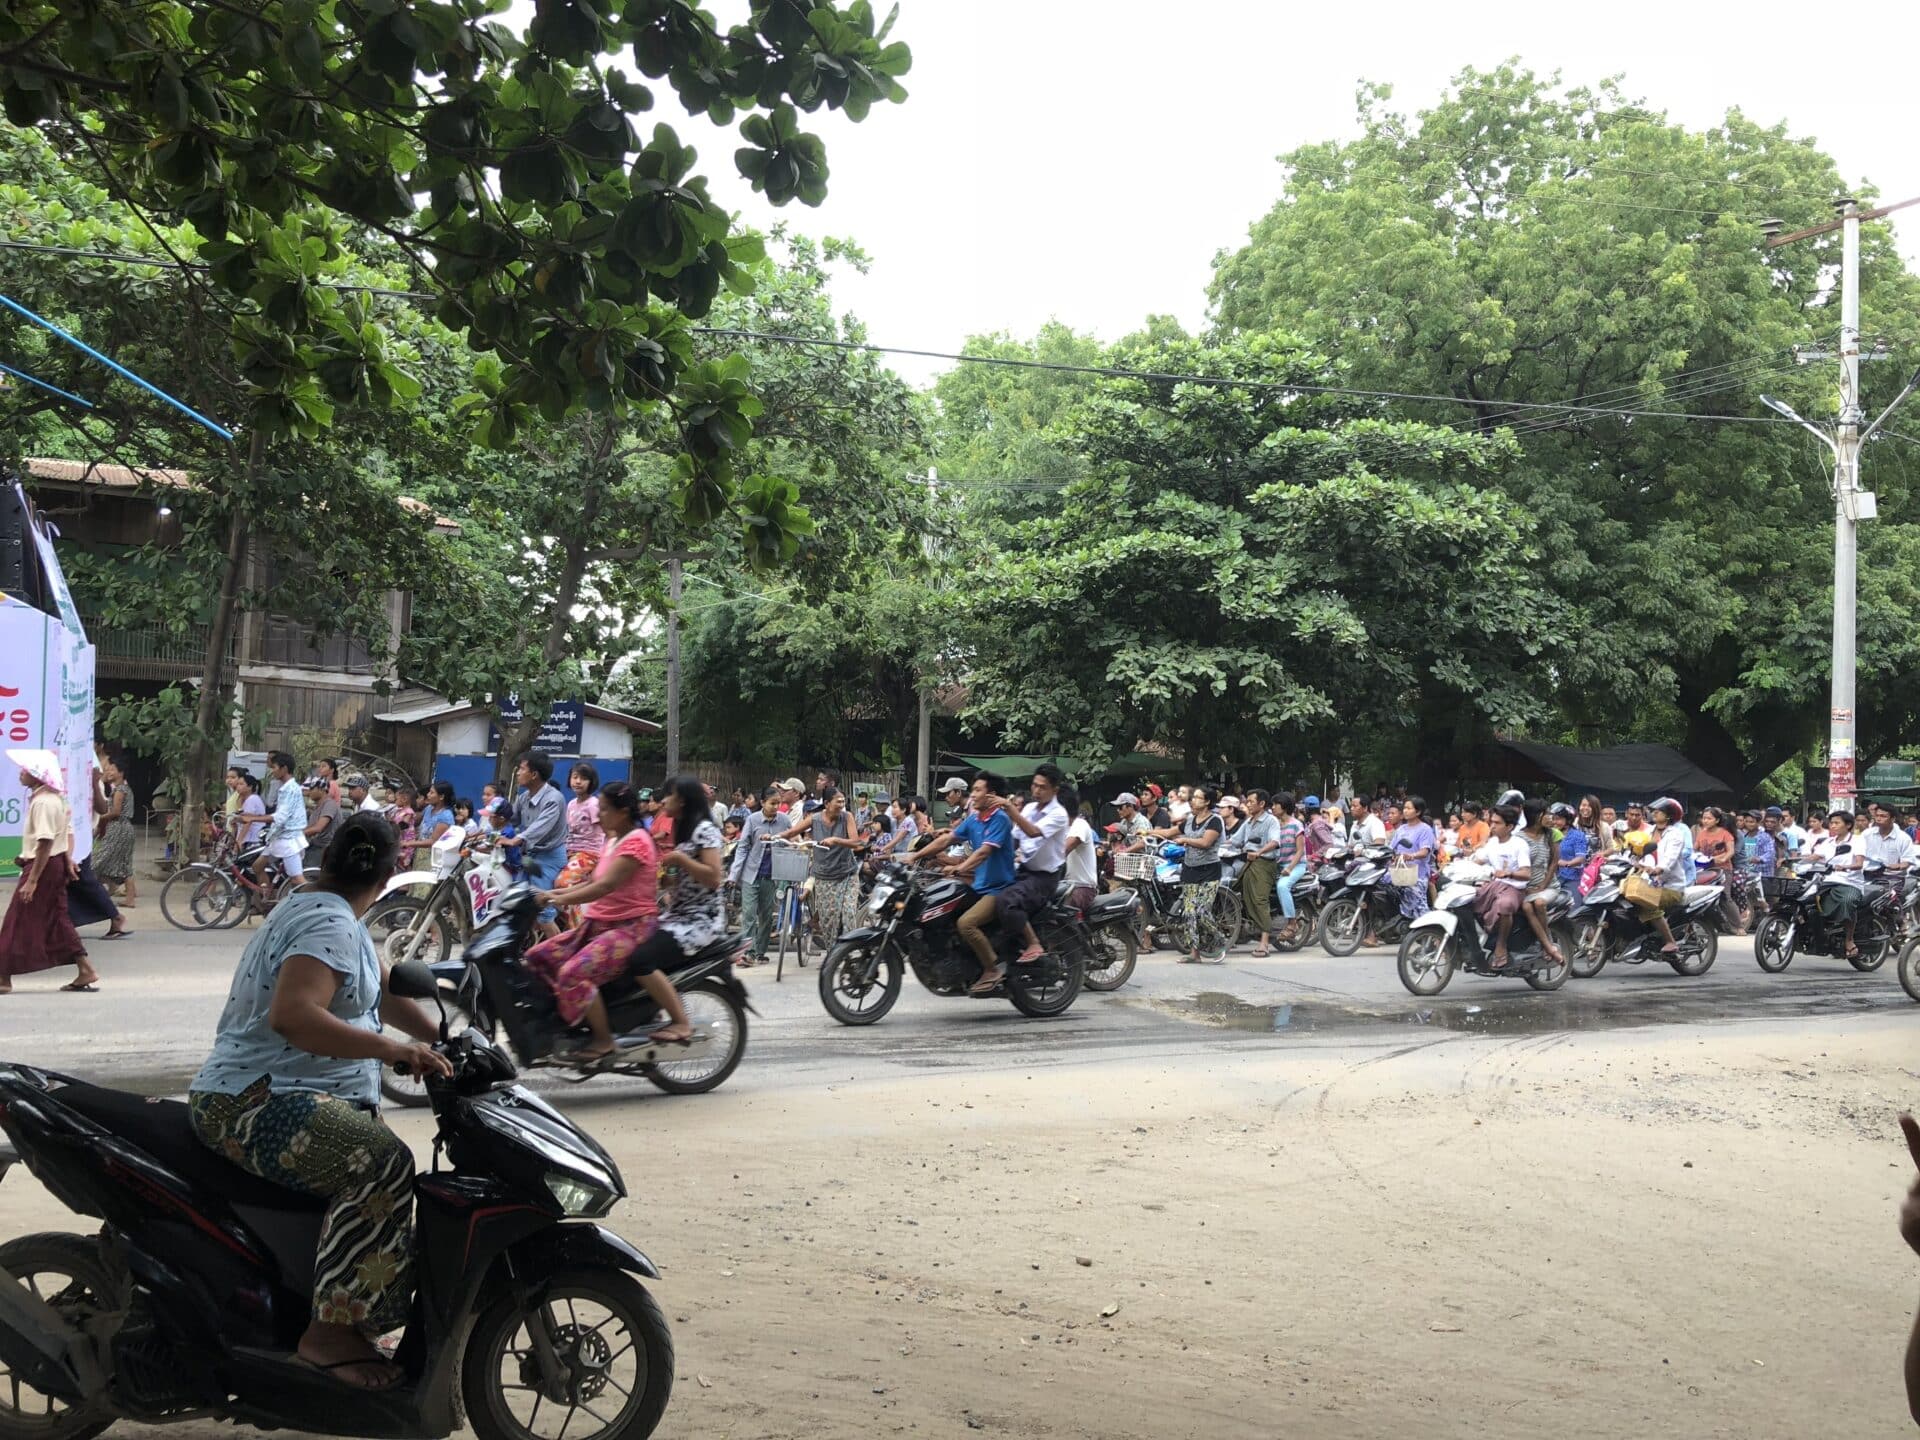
column 618, row 917
column 291, row 1093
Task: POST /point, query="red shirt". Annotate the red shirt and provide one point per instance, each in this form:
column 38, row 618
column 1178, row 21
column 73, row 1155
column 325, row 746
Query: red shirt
column 635, row 899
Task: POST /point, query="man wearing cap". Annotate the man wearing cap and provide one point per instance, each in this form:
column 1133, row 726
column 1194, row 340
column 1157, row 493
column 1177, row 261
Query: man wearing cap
column 358, row 798
column 286, row 838
column 1321, row 836
column 1130, row 832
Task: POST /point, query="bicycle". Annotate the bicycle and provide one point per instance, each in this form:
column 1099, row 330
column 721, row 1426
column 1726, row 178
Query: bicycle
column 791, row 867
column 220, row 892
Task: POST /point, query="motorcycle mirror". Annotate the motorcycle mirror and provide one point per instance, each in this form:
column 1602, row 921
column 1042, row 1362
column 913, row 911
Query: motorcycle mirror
column 413, row 980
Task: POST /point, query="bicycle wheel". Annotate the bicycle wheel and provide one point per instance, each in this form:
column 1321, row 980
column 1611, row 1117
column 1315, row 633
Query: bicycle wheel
column 1226, row 914
column 196, row 898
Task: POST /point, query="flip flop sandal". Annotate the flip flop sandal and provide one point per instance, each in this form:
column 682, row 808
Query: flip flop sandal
column 327, row 1370
column 116, row 934
column 985, row 988
column 76, row 988
column 658, row 1039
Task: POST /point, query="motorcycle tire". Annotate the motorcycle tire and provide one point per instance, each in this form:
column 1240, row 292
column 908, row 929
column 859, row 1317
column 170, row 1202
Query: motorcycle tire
column 884, row 987
column 1590, row 950
column 1872, row 956
column 1431, row 945
column 86, row 1288
column 409, row 1091
column 686, row 1077
column 1705, row 953
column 1343, row 926
column 1306, row 925
column 1056, row 999
column 1771, row 951
column 1118, row 952
column 1909, row 969
column 388, row 920
column 494, row 1366
column 1554, row 976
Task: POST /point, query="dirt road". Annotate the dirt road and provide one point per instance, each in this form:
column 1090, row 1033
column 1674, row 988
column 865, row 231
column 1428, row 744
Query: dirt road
column 1675, row 1232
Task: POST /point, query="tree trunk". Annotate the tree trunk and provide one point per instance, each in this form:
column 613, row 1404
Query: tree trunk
column 213, row 698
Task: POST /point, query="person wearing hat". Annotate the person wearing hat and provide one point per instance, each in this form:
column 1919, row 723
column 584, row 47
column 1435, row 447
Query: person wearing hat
column 323, row 814
column 358, row 798
column 1130, row 832
column 1669, row 867
column 1322, row 834
column 38, row 933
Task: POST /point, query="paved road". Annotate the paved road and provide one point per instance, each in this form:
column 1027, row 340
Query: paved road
column 149, row 1025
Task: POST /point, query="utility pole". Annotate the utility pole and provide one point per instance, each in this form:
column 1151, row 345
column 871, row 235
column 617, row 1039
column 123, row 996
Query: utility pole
column 673, row 666
column 923, row 770
column 1851, row 504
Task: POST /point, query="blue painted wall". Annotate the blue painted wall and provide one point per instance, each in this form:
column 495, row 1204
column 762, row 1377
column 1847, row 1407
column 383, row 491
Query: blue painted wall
column 467, row 773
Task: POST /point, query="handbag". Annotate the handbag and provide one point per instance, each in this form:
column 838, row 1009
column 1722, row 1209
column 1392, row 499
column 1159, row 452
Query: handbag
column 1638, row 889
column 1404, row 872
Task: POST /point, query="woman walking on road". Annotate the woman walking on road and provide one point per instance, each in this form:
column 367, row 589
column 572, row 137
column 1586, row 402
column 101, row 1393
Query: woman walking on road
column 113, row 847
column 37, row 933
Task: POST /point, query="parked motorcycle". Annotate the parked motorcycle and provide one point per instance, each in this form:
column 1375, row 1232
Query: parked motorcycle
column 189, row 1300
column 1608, row 929
column 1797, row 926
column 1451, row 937
column 489, row 988
column 916, row 921
column 420, row 913
column 1365, row 903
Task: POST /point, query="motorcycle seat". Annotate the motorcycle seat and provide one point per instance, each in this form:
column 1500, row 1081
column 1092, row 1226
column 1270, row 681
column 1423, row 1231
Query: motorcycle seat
column 1112, row 903
column 725, row 948
column 163, row 1130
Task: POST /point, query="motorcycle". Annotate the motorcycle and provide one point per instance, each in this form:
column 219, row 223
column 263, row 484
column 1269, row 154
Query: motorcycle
column 916, row 923
column 464, row 878
column 490, row 989
column 1104, row 933
column 1307, row 897
column 1798, row 927
column 1608, row 929
column 1364, row 903
column 188, row 1302
column 1450, row 936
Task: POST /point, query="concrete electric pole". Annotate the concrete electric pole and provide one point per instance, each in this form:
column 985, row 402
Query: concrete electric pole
column 1851, row 504
column 673, row 666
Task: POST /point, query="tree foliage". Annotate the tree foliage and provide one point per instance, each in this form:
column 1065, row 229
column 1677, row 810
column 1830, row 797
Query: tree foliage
column 1524, row 242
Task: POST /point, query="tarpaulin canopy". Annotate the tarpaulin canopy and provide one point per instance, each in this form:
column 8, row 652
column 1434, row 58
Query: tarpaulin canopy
column 1642, row 771
column 1012, row 767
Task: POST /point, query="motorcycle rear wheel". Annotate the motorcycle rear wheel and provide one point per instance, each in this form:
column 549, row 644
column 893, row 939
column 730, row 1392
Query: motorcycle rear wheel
column 1771, row 951
column 1873, row 954
column 1306, row 922
column 598, row 1320
column 1115, row 951
column 1343, row 926
column 83, row 1289
column 1044, row 1001
column 712, row 1005
column 1554, row 976
column 1699, row 947
column 849, row 999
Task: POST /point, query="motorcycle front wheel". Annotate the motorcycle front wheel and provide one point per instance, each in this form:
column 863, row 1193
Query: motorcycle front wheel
column 1115, row 952
column 389, row 922
column 1909, row 969
column 1343, row 925
column 615, row 1352
column 1771, row 950
column 711, row 1006
column 1426, row 959
column 1590, row 954
column 845, row 991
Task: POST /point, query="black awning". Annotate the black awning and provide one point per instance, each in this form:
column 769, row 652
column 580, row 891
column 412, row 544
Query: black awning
column 1641, row 770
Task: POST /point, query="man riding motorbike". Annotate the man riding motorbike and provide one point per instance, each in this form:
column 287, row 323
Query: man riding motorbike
column 1040, row 857
column 291, row 1093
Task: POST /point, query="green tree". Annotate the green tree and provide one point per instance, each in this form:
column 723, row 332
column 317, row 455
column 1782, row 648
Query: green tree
column 1524, row 242
column 1255, row 573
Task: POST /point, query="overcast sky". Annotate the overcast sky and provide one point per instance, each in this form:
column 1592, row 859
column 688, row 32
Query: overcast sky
column 1084, row 159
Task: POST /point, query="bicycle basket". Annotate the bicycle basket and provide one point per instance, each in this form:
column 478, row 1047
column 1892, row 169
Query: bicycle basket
column 1136, row 866
column 790, row 862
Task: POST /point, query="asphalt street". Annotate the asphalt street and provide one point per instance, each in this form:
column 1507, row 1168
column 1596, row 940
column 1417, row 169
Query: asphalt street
column 149, row 1024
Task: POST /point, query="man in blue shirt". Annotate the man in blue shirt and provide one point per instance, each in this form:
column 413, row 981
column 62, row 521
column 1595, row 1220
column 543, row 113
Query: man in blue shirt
column 989, row 864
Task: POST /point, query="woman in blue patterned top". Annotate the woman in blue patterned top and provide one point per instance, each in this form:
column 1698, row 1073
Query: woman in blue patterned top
column 291, row 1093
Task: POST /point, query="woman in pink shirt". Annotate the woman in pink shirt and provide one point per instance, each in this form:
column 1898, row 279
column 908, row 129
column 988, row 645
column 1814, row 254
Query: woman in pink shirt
column 619, row 911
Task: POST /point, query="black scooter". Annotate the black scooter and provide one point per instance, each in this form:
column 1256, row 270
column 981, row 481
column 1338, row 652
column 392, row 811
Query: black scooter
column 489, row 988
column 916, row 921
column 188, row 1302
column 1608, row 929
column 1798, row 925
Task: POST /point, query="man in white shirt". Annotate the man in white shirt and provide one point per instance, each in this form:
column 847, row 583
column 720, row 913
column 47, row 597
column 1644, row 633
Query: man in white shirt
column 1039, row 856
column 1372, row 830
column 1795, row 836
column 286, row 835
column 358, row 797
column 1083, row 875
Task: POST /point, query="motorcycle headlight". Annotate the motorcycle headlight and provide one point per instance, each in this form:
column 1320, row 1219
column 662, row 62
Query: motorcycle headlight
column 578, row 1197
column 882, row 896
